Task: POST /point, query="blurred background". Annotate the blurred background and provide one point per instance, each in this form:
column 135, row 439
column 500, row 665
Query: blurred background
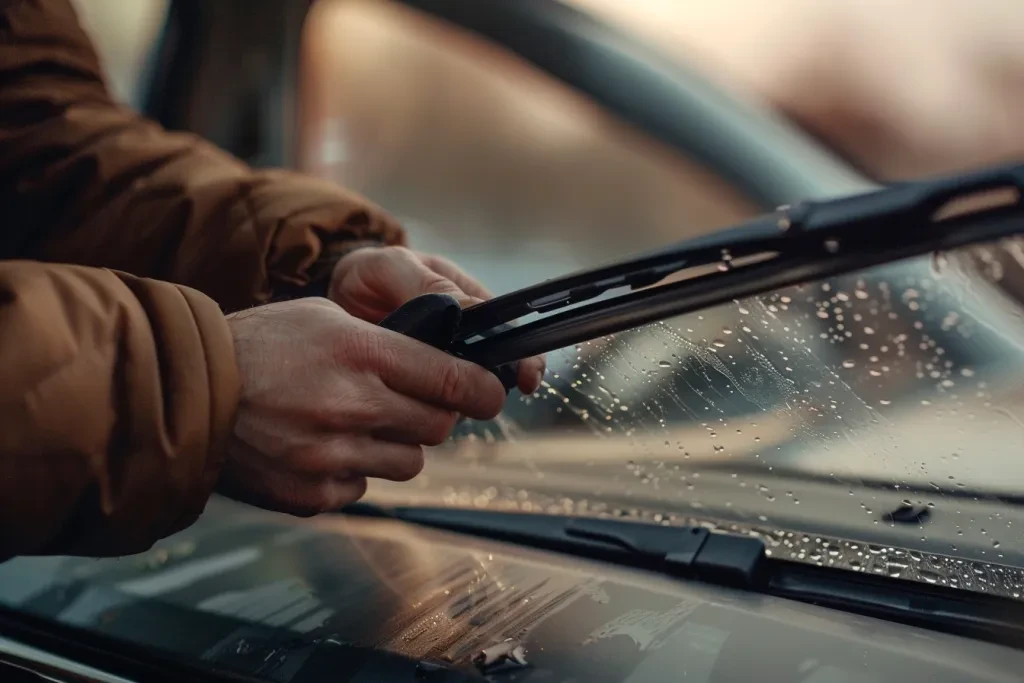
column 901, row 87
column 893, row 374
column 478, row 150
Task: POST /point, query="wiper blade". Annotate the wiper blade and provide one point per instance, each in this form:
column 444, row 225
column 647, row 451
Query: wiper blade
column 694, row 552
column 808, row 241
column 691, row 551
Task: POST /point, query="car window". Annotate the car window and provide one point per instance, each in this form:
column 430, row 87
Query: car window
column 482, row 155
column 125, row 35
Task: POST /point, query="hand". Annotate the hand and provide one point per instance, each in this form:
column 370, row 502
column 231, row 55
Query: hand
column 371, row 283
column 329, row 400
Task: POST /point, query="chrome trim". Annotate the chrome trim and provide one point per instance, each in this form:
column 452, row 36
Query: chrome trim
column 51, row 667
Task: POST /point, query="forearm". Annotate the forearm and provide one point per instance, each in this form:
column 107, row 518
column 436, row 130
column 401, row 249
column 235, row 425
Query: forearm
column 87, row 181
column 119, row 395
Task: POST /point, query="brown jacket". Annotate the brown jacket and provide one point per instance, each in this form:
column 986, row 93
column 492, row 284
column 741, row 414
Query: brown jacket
column 117, row 391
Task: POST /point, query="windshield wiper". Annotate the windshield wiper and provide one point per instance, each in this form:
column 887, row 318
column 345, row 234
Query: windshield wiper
column 792, row 245
column 715, row 557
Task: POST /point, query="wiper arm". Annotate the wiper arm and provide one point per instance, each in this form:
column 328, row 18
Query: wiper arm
column 807, row 241
column 735, row 561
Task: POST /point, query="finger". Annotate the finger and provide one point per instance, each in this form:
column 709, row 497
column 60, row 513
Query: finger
column 531, row 374
column 410, row 277
column 387, row 415
column 373, row 408
column 412, row 422
column 306, row 497
column 531, row 370
column 289, row 491
column 346, row 457
column 461, row 278
column 418, row 371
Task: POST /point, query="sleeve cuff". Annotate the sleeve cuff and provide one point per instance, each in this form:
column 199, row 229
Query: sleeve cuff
column 321, row 271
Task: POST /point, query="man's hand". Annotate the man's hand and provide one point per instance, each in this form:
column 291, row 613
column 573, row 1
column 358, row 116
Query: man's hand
column 371, row 283
column 329, row 400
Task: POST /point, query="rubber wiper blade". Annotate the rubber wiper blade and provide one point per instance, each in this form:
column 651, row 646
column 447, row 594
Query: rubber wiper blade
column 801, row 243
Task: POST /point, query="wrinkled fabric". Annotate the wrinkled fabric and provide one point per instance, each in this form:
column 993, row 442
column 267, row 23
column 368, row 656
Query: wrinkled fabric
column 118, row 382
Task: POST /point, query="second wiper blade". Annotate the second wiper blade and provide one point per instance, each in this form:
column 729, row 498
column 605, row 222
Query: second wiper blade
column 693, row 552
column 714, row 557
column 790, row 246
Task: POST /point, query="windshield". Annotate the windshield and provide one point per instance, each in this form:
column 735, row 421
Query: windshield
column 826, row 406
column 816, row 410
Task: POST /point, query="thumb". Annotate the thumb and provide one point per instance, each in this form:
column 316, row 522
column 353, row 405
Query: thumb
column 412, row 278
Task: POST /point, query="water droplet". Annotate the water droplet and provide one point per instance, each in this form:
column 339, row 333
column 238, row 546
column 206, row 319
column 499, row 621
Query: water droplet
column 849, row 364
column 884, row 402
column 718, row 344
column 664, row 364
column 869, row 330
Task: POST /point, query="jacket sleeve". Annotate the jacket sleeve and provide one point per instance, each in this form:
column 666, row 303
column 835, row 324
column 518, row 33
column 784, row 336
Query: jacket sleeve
column 118, row 395
column 84, row 180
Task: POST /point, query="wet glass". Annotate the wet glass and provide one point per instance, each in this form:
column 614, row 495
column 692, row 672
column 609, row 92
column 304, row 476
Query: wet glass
column 819, row 406
column 808, row 414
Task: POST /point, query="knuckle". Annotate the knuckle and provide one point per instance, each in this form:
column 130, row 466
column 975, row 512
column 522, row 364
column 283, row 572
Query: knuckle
column 365, row 349
column 452, row 383
column 370, row 410
column 356, row 407
column 334, row 412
